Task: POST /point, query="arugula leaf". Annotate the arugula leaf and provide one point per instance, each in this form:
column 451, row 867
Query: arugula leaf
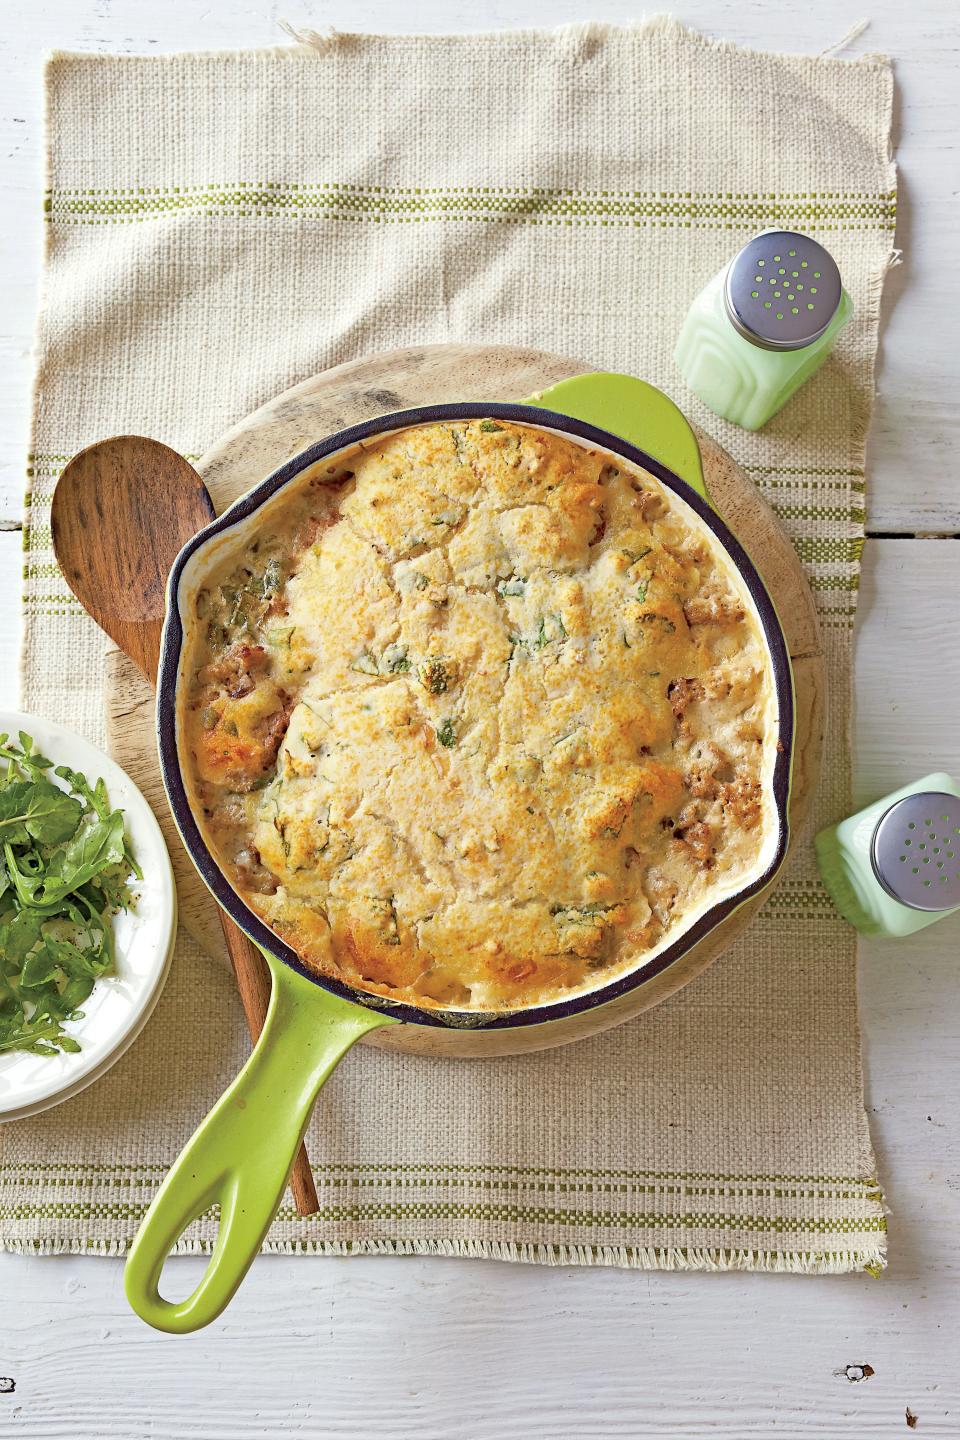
column 91, row 850
column 22, row 760
column 39, row 1037
column 13, row 800
column 94, row 799
column 22, row 934
column 50, row 815
column 38, row 968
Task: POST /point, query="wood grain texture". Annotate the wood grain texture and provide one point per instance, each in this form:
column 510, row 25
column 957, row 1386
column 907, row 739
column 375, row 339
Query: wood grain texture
column 122, row 510
column 419, row 375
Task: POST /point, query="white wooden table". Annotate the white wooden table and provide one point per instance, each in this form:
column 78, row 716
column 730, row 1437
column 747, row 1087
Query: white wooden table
column 461, row 1350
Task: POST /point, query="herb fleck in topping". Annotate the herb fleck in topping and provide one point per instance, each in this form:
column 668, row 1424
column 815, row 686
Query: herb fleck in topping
column 446, row 734
column 516, row 585
column 280, row 636
column 394, row 660
column 435, row 676
column 551, row 628
column 271, row 579
column 490, row 426
column 384, row 913
column 591, row 914
column 650, row 616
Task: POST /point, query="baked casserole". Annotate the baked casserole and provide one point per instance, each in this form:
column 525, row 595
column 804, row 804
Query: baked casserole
column 482, row 717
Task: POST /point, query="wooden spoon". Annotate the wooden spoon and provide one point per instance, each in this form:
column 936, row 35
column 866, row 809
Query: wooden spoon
column 122, row 511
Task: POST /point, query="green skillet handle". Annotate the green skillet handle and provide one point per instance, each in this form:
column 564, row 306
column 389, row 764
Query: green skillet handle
column 241, row 1155
column 635, row 411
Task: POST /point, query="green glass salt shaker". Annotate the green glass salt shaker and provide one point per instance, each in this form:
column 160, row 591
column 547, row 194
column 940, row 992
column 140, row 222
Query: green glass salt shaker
column 895, row 867
column 763, row 326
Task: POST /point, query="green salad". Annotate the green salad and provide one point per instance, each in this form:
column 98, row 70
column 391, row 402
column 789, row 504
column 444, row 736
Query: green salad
column 66, row 871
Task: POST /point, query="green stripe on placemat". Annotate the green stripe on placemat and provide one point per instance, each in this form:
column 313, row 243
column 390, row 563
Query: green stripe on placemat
column 805, row 1182
column 533, row 205
column 484, row 1211
column 518, row 1181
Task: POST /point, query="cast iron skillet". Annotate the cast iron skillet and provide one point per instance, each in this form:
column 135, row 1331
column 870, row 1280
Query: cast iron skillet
column 241, row 1155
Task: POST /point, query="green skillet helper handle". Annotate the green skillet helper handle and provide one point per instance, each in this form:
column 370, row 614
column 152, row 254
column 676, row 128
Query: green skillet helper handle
column 637, row 412
column 241, row 1156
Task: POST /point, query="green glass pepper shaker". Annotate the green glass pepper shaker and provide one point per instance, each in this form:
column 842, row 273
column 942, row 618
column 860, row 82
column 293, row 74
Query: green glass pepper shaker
column 763, row 326
column 895, row 867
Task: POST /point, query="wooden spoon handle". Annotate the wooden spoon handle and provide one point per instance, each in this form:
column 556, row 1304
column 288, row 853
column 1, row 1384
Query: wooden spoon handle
column 121, row 511
column 253, row 982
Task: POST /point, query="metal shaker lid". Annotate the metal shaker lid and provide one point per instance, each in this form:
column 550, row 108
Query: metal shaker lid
column 915, row 851
column 782, row 290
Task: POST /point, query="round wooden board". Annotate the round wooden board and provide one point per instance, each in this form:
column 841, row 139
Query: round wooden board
column 399, row 380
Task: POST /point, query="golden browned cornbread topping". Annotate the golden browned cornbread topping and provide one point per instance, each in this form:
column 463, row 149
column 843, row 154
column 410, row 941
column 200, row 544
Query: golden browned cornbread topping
column 480, row 718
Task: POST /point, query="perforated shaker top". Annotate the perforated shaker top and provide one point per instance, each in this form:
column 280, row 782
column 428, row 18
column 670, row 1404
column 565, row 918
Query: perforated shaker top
column 782, row 290
column 916, row 851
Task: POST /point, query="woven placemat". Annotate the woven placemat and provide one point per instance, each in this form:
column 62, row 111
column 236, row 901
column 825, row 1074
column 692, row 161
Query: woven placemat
column 221, row 226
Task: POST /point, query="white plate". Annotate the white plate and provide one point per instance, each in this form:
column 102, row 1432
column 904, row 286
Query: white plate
column 120, row 1005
